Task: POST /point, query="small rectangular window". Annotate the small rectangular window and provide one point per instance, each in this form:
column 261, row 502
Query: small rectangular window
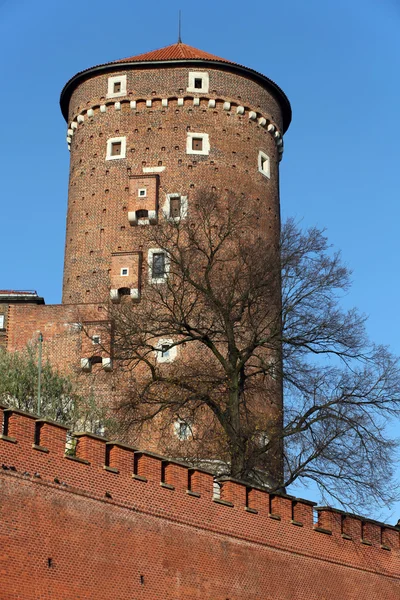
column 197, row 143
column 175, row 207
column 116, row 148
column 124, row 271
column 158, row 265
column 142, row 193
column 165, row 350
column 117, row 87
column 1, row 321
column 95, row 339
column 198, row 83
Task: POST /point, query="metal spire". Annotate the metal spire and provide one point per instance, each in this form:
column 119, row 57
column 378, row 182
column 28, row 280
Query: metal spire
column 179, row 29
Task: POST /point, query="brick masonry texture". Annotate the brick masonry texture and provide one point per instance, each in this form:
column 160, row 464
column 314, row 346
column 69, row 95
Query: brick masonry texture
column 99, row 189
column 116, row 523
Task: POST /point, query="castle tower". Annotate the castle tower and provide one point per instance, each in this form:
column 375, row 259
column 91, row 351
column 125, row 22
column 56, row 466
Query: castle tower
column 145, row 134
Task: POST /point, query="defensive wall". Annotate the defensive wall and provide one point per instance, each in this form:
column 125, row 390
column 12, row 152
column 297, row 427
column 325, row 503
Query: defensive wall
column 116, row 522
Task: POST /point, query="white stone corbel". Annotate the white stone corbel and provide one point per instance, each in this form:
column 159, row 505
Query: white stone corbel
column 135, row 294
column 262, row 121
column 227, row 106
column 68, row 140
column 90, row 112
column 114, row 296
column 196, row 101
column 117, row 105
column 86, row 365
column 133, row 104
column 80, row 118
column 69, row 148
column 211, row 103
column 164, row 102
column 149, row 103
column 103, row 108
column 106, row 363
column 180, row 101
column 152, row 214
column 252, row 115
column 240, row 110
column 70, row 132
column 132, row 217
column 279, row 143
column 74, row 125
column 271, row 128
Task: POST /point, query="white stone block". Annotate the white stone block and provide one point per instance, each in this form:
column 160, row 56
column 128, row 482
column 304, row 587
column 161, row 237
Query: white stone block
column 103, row 108
column 252, row 115
column 90, row 112
column 132, row 217
column 80, row 118
column 164, row 102
column 68, row 140
column 196, row 101
column 180, row 102
column 149, row 103
column 152, row 216
column 106, row 363
column 74, row 125
column 153, row 169
column 135, row 294
column 133, row 104
column 227, row 106
column 114, row 296
column 117, row 105
column 211, row 103
column 271, row 128
column 85, row 365
column 240, row 110
column 70, row 132
column 277, row 135
column 262, row 121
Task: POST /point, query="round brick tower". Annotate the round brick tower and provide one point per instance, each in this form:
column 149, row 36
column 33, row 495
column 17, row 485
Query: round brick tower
column 145, row 134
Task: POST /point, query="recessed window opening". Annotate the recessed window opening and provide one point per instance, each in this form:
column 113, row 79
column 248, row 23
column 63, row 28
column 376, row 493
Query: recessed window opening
column 124, row 271
column 158, row 265
column 142, row 214
column 175, row 207
column 199, row 81
column 165, row 350
column 116, row 86
column 124, row 291
column 1, row 321
column 197, row 143
column 116, row 148
column 264, row 165
column 142, row 193
column 96, row 340
column 183, row 429
column 95, row 360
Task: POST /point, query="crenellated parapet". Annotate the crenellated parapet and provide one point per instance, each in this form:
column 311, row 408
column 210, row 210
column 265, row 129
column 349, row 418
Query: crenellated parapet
column 33, row 450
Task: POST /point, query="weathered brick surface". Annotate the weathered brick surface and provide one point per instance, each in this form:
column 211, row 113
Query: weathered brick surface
column 69, row 528
column 101, row 192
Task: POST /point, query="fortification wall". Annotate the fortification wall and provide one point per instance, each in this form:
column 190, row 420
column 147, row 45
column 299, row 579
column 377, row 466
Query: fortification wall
column 114, row 522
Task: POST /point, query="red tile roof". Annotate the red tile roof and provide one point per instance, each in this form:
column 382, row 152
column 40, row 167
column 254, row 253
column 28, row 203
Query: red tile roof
column 173, row 52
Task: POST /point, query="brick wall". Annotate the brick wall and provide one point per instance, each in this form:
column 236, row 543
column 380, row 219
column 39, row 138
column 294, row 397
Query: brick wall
column 114, row 522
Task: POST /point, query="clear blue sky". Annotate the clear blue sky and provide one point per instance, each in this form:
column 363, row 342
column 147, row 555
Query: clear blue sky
column 338, row 62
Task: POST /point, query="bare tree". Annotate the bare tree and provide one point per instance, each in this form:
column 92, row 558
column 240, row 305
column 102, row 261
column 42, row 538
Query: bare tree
column 215, row 299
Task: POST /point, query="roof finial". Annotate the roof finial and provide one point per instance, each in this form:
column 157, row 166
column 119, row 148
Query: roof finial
column 179, row 29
